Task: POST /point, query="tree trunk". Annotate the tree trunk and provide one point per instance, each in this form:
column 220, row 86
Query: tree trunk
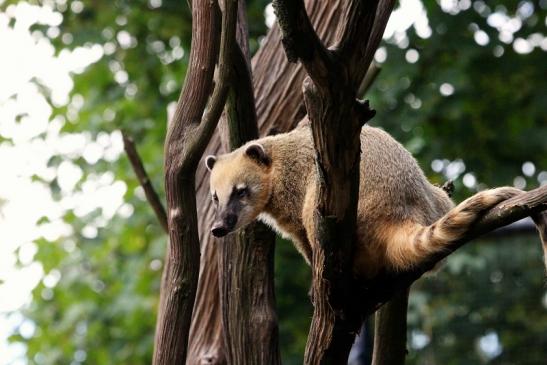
column 187, row 137
column 246, row 258
column 336, row 119
column 278, row 96
column 390, row 331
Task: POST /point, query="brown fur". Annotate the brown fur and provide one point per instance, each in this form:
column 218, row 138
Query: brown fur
column 401, row 216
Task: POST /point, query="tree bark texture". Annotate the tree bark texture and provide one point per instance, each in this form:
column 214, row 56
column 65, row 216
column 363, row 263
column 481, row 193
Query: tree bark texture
column 336, row 120
column 246, row 258
column 277, row 88
column 187, row 137
column 389, row 335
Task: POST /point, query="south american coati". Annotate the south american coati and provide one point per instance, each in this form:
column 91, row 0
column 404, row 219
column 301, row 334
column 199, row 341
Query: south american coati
column 401, row 217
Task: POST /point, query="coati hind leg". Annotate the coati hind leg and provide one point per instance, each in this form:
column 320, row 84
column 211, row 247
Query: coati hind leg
column 410, row 243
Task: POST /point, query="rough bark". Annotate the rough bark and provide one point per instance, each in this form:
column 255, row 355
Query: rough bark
column 187, row 137
column 247, row 297
column 389, row 334
column 246, row 258
column 336, row 120
column 278, row 97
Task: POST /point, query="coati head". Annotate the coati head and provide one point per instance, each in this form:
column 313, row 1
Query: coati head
column 240, row 186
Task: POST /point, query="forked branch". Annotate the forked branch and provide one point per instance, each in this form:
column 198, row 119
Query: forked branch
column 336, row 120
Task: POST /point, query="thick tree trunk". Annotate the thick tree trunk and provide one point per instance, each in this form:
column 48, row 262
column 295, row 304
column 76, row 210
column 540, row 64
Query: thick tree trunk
column 246, row 258
column 278, row 95
column 336, row 119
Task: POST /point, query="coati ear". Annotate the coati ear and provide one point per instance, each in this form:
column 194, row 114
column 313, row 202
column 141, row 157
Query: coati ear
column 210, row 162
column 256, row 152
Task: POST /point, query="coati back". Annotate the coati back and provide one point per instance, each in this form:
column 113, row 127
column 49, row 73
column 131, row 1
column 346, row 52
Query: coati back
column 401, row 217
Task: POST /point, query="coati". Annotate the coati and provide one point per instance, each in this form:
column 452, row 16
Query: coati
column 401, row 216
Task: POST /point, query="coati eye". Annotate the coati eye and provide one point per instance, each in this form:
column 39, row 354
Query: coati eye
column 242, row 192
column 215, row 197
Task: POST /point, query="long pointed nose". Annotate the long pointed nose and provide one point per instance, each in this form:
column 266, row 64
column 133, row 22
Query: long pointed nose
column 219, row 230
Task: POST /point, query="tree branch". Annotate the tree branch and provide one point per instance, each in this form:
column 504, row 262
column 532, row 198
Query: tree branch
column 524, row 226
column 541, row 223
column 301, row 42
column 532, row 203
column 144, row 180
column 370, row 76
column 218, row 99
column 364, row 19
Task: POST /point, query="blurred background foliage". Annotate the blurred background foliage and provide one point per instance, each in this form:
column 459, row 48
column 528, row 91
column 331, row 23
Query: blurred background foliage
column 466, row 94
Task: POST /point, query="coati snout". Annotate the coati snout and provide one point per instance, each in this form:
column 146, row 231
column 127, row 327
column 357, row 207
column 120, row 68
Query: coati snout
column 223, row 227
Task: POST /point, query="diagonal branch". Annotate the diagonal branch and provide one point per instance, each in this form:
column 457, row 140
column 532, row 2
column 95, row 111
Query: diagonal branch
column 370, row 76
column 532, row 203
column 301, row 42
column 364, row 19
column 144, row 180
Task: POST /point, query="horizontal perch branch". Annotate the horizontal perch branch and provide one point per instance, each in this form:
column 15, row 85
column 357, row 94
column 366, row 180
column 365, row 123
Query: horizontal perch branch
column 511, row 210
